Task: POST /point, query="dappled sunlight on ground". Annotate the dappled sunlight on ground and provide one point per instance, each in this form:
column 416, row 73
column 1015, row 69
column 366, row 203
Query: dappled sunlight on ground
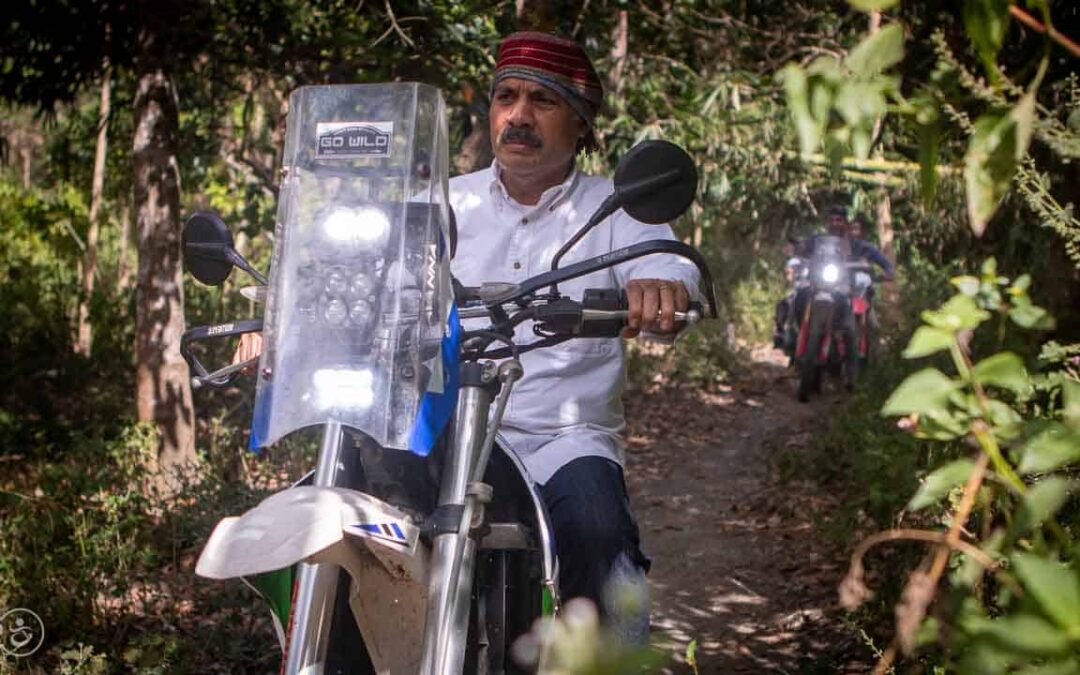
column 738, row 564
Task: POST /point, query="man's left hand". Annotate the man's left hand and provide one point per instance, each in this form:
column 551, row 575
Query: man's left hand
column 652, row 304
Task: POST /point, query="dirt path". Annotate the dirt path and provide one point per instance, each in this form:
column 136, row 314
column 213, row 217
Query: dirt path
column 738, row 564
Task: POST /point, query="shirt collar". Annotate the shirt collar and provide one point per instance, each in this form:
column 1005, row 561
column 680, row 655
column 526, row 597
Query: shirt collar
column 550, row 198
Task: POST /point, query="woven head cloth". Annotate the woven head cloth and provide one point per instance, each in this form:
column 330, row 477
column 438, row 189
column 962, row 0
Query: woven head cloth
column 557, row 63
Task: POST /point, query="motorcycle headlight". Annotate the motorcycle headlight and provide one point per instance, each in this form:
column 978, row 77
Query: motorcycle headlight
column 361, row 286
column 364, row 226
column 830, row 274
column 335, row 312
column 335, row 283
column 343, row 388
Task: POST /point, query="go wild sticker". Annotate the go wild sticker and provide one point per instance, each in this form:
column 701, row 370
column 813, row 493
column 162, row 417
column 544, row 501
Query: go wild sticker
column 349, row 140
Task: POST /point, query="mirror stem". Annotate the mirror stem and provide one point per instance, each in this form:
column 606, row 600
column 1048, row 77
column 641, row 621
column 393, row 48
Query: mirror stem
column 608, row 207
column 239, row 260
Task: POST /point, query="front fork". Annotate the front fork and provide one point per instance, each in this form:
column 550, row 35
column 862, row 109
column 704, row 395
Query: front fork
column 316, row 583
column 461, row 500
column 461, row 507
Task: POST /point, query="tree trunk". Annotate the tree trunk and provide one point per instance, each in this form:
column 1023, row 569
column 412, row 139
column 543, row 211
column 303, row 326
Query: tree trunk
column 883, row 212
column 163, row 387
column 84, row 341
column 619, row 45
column 886, row 235
column 123, row 269
column 885, row 232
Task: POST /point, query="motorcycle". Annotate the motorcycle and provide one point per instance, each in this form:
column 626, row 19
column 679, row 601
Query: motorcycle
column 416, row 545
column 786, row 335
column 824, row 343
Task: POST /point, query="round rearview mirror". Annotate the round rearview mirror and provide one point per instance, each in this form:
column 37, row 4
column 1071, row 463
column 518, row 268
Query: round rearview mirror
column 656, row 182
column 207, row 241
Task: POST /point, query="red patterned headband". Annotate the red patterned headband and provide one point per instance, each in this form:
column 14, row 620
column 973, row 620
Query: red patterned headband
column 556, row 63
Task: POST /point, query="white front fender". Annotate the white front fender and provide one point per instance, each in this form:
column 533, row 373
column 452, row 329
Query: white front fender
column 298, row 523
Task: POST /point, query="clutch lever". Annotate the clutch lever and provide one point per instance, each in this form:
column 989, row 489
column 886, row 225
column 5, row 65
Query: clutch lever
column 218, row 377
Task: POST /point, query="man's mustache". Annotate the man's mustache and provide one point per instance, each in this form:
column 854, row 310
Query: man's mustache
column 520, row 135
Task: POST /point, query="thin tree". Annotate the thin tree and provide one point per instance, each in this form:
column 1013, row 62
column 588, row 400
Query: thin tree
column 84, row 340
column 162, row 381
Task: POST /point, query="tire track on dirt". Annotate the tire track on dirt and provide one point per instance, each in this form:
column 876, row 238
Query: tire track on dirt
column 738, row 564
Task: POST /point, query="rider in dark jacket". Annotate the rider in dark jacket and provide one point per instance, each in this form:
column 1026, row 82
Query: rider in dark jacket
column 860, row 248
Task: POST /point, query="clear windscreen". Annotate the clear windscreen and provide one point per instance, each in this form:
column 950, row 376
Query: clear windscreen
column 828, row 247
column 359, row 286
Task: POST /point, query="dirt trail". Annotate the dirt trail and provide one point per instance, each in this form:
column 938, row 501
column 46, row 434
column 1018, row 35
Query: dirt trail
column 738, row 563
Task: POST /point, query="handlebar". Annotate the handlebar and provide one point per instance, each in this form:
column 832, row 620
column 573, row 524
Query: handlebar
column 223, row 376
column 602, row 313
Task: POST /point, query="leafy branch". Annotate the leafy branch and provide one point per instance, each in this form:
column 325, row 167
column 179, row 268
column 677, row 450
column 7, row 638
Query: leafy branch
column 981, row 405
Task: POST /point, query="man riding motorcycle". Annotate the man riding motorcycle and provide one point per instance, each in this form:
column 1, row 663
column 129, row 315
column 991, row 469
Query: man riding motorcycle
column 564, row 419
column 785, row 323
column 838, row 225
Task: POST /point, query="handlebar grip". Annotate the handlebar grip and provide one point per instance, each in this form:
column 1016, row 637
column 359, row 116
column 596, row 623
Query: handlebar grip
column 201, row 333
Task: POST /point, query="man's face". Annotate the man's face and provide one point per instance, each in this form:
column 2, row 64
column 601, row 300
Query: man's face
column 532, row 127
column 837, row 225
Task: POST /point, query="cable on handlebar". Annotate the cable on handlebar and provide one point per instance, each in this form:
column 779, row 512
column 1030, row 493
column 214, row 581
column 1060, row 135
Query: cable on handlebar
column 521, row 349
column 492, row 336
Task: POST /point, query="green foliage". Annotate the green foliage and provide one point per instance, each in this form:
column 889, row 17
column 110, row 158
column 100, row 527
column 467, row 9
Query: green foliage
column 1035, row 616
column 986, row 22
column 836, row 105
column 106, row 562
column 999, row 142
column 872, row 5
column 940, row 482
column 575, row 643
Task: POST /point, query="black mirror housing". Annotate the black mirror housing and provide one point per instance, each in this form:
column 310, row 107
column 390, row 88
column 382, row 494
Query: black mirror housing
column 207, row 242
column 656, row 182
column 208, row 250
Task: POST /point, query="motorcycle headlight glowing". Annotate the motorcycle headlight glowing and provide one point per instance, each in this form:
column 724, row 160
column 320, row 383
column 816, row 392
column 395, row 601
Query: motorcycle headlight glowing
column 365, row 226
column 830, row 274
column 343, row 388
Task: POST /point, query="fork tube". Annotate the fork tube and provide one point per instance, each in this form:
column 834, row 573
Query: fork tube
column 316, row 584
column 450, row 584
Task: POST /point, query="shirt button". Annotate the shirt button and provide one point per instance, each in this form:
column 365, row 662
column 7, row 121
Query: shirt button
column 517, row 265
column 524, row 221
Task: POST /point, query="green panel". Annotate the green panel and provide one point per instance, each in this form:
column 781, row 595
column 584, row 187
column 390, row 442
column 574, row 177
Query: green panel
column 276, row 588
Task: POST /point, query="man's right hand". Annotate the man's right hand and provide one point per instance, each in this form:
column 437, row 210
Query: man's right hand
column 250, row 346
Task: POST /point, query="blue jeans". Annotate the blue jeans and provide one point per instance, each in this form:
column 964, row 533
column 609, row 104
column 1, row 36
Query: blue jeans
column 597, row 540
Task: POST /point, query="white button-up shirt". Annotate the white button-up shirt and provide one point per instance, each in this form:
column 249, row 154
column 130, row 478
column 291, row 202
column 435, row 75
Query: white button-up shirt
column 569, row 402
